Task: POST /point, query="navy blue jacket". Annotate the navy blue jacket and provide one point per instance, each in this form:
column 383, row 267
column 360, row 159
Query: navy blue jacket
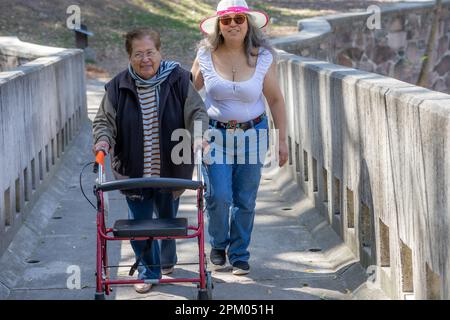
column 179, row 106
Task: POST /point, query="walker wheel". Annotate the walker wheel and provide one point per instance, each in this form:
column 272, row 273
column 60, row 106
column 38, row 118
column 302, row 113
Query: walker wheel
column 206, row 294
column 99, row 296
column 202, row 295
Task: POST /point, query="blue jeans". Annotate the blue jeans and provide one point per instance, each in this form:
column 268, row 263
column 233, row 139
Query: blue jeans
column 164, row 206
column 231, row 195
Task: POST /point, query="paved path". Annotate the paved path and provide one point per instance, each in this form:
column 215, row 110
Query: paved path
column 59, row 239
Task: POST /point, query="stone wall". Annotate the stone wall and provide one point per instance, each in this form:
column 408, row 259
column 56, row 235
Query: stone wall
column 394, row 50
column 42, row 104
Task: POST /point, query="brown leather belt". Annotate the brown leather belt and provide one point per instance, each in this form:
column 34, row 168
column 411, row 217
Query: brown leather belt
column 233, row 124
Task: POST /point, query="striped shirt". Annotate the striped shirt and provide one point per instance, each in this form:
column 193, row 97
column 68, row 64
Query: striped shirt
column 149, row 109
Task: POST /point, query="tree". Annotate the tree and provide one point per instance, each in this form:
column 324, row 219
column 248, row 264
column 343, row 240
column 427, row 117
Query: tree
column 428, row 56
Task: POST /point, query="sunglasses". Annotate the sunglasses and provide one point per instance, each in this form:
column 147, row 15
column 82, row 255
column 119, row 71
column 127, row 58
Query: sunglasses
column 238, row 19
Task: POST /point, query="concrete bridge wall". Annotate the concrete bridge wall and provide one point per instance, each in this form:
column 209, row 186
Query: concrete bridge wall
column 42, row 104
column 395, row 49
column 371, row 152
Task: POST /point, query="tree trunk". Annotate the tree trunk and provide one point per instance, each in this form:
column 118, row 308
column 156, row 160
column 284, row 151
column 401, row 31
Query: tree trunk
column 428, row 56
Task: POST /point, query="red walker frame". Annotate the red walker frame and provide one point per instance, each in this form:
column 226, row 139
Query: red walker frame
column 103, row 282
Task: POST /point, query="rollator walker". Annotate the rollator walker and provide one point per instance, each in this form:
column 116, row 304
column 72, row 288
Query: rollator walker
column 155, row 229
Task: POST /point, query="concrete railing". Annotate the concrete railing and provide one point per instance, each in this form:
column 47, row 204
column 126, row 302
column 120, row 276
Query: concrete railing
column 370, row 151
column 42, row 105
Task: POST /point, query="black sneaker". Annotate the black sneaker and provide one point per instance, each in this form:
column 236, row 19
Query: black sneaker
column 241, row 268
column 218, row 257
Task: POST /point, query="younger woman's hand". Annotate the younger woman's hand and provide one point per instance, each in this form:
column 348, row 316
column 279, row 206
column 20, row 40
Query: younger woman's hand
column 283, row 153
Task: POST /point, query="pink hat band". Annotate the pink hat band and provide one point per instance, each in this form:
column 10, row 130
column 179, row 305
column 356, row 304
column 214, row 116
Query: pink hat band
column 232, row 10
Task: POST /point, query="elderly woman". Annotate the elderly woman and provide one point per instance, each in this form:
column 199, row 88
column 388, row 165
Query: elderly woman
column 236, row 66
column 141, row 108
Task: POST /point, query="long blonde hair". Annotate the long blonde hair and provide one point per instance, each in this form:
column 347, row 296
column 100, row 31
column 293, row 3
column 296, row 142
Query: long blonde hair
column 253, row 39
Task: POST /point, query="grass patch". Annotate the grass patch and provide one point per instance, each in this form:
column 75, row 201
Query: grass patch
column 44, row 22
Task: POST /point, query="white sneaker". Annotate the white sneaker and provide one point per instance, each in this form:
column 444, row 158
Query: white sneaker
column 167, row 271
column 142, row 287
column 241, row 268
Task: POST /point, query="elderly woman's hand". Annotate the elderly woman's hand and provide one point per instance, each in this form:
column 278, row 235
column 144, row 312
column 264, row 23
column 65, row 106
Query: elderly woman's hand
column 101, row 146
column 283, row 152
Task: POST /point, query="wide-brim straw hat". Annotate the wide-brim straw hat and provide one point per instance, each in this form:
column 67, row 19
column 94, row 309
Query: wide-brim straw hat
column 208, row 25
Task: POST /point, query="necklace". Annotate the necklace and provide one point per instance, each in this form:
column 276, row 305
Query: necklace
column 233, row 71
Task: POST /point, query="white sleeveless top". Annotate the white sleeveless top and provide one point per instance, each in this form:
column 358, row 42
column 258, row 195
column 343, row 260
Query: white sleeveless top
column 227, row 100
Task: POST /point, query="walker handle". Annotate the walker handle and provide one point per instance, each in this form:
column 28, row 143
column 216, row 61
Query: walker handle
column 99, row 160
